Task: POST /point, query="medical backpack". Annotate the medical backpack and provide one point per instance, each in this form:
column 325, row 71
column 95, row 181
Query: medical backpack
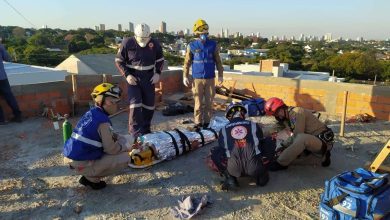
column 358, row 194
column 254, row 107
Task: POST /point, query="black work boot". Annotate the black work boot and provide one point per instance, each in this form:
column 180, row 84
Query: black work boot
column 275, row 166
column 262, row 179
column 326, row 159
column 17, row 119
column 95, row 186
column 230, row 182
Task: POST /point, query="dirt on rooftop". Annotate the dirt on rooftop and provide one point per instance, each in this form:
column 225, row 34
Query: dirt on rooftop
column 35, row 184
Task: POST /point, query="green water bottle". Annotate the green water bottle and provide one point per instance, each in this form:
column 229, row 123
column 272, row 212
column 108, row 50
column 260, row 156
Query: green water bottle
column 66, row 128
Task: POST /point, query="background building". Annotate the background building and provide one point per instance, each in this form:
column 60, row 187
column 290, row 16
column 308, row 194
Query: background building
column 187, row 31
column 131, row 27
column 328, row 37
column 102, row 27
column 163, row 27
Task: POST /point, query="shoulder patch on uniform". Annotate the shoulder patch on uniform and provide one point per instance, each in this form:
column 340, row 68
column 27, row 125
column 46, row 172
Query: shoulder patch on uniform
column 293, row 121
column 239, row 132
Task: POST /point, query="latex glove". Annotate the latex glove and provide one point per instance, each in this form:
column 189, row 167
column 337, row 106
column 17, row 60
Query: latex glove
column 126, row 141
column 288, row 142
column 155, row 79
column 186, row 81
column 220, row 79
column 131, row 80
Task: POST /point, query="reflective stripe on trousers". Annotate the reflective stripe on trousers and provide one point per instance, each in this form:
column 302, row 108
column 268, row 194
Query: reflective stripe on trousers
column 225, row 142
column 255, row 138
column 137, row 67
column 138, row 105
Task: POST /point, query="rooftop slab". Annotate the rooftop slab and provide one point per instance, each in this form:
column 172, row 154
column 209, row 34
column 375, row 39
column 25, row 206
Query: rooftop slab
column 34, row 183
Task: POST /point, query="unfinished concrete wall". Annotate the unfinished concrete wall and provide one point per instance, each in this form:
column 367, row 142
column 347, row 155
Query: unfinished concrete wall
column 57, row 95
column 33, row 98
column 318, row 95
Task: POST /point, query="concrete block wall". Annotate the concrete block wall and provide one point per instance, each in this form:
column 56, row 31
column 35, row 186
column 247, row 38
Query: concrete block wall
column 58, row 95
column 33, row 98
column 318, row 95
column 315, row 95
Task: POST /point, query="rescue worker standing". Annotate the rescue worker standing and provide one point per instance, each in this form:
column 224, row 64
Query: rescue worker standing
column 5, row 90
column 202, row 55
column 93, row 150
column 308, row 133
column 140, row 60
column 239, row 142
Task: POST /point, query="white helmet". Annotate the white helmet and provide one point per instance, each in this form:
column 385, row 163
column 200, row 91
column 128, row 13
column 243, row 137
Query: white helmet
column 142, row 34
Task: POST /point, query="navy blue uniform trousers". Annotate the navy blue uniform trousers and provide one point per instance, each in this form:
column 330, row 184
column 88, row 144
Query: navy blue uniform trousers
column 5, row 91
column 141, row 99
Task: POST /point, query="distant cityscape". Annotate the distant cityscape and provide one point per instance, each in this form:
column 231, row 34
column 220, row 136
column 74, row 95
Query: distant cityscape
column 306, row 56
column 225, row 33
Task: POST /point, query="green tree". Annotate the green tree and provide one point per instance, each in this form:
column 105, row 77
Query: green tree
column 36, row 55
column 18, row 32
column 385, row 64
column 173, row 60
column 288, row 53
column 77, row 46
column 40, row 39
column 356, row 66
column 98, row 50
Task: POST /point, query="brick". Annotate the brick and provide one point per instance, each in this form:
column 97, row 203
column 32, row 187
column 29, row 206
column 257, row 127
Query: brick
column 380, row 107
column 34, row 105
column 359, row 97
column 26, row 97
column 62, row 109
column 42, row 96
column 54, row 94
column 382, row 115
column 383, row 100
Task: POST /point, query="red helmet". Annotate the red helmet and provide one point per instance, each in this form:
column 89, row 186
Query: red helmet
column 272, row 105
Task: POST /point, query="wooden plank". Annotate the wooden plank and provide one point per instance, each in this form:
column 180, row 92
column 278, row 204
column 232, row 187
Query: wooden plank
column 377, row 163
column 344, row 113
column 119, row 112
column 232, row 88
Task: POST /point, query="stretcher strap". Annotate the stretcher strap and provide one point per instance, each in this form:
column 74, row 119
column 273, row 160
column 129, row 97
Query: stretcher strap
column 201, row 136
column 184, row 140
column 174, row 143
column 214, row 132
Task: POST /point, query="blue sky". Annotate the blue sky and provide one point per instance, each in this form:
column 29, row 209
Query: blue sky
column 348, row 18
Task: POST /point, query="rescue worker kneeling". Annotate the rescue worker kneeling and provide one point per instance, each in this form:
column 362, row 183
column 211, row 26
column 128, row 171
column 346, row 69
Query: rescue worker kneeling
column 93, row 150
column 239, row 142
column 308, row 134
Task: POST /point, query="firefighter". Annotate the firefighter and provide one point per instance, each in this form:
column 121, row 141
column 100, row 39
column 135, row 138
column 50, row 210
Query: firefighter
column 203, row 56
column 140, row 60
column 239, row 146
column 308, row 133
column 93, row 150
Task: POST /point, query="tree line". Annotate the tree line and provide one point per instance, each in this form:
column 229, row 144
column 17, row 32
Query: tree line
column 351, row 60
